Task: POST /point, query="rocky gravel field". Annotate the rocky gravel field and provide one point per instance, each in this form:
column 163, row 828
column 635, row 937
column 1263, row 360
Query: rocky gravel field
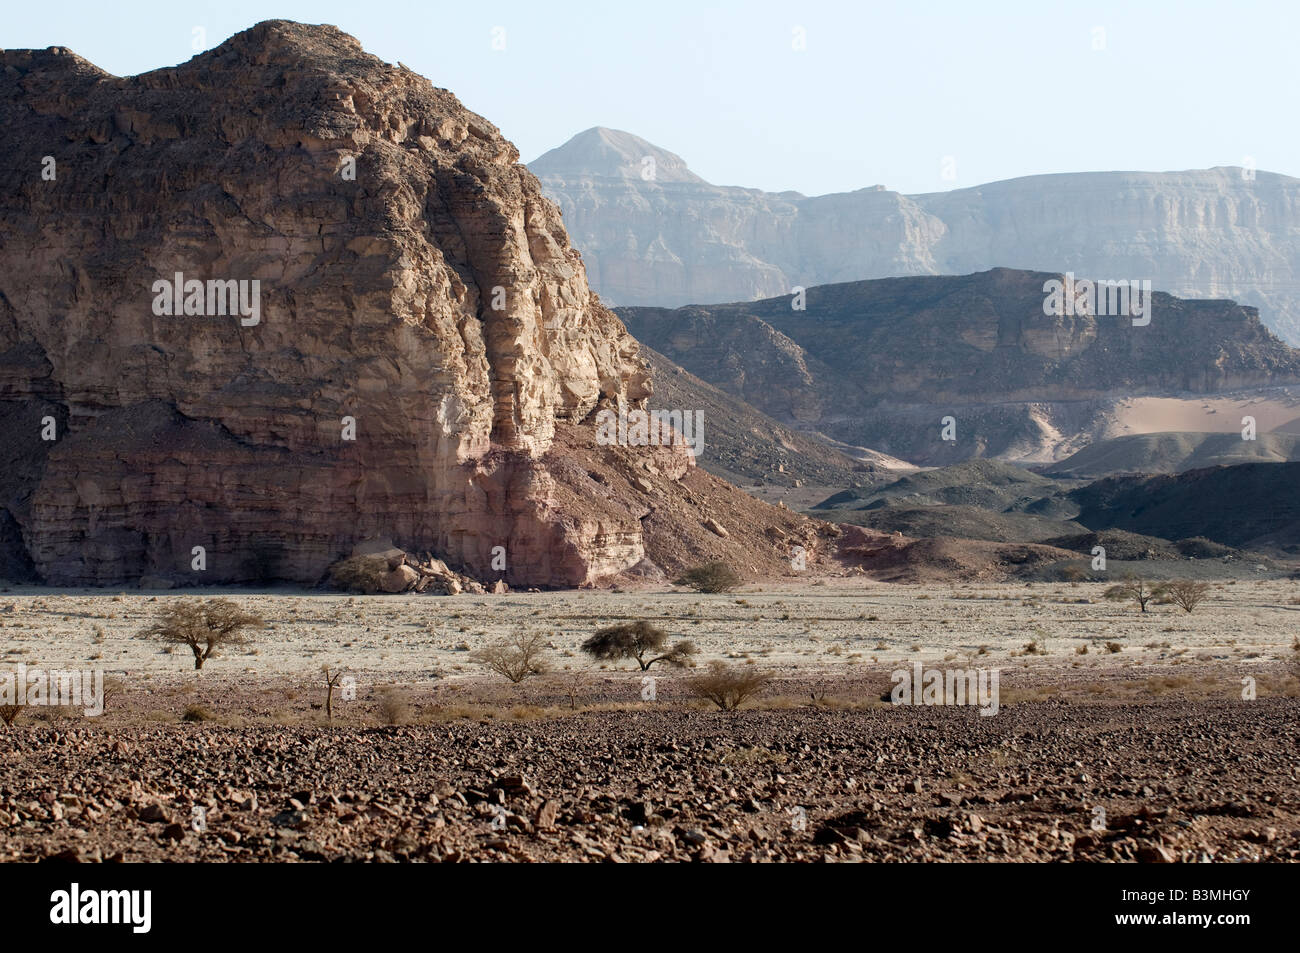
column 1166, row 780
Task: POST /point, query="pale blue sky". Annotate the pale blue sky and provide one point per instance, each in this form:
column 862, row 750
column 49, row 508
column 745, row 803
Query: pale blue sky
column 883, row 93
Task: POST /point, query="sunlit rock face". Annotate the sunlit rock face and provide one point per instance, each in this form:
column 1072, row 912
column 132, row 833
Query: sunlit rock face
column 415, row 325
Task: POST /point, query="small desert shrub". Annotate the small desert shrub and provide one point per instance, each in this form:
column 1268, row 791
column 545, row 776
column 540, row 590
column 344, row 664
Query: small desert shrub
column 1114, row 647
column 359, row 573
column 9, row 714
column 1081, row 649
column 711, row 577
column 203, row 625
column 573, row 689
column 515, row 658
column 639, row 641
column 728, row 687
column 113, row 687
column 331, row 681
column 195, row 712
column 51, row 714
column 394, row 705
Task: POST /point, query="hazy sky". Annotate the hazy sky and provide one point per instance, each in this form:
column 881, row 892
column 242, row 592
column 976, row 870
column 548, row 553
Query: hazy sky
column 883, row 93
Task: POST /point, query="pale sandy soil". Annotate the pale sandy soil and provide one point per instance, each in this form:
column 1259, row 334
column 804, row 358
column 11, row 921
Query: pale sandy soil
column 1219, row 414
column 840, row 627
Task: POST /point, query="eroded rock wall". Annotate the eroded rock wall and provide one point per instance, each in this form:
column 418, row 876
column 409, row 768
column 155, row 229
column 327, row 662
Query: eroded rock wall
column 413, row 282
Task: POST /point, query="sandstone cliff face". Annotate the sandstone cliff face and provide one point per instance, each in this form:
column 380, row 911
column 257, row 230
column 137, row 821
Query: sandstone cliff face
column 880, row 363
column 1206, row 233
column 412, row 278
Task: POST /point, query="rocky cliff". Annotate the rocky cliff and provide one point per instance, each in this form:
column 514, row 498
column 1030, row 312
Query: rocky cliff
column 284, row 298
column 673, row 239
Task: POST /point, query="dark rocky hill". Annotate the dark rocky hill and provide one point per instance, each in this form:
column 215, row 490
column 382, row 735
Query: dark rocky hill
column 880, row 363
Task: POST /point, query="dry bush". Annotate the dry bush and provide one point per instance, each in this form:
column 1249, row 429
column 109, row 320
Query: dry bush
column 51, row 714
column 1185, row 593
column 1134, row 589
column 196, row 713
column 573, row 688
column 1160, row 685
column 203, row 625
column 1035, row 693
column 515, row 658
column 711, row 577
column 9, row 714
column 728, row 687
column 394, row 705
column 113, row 687
column 1114, row 647
column 637, row 640
column 359, row 573
column 331, row 680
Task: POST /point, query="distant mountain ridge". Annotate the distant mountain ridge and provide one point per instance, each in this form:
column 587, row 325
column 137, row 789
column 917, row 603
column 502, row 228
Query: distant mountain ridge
column 880, row 363
column 657, row 234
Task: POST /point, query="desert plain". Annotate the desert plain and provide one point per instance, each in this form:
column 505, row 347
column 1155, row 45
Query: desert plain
column 1119, row 735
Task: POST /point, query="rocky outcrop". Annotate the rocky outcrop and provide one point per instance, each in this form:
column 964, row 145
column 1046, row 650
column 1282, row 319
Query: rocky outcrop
column 415, row 329
column 1251, row 505
column 881, row 363
column 673, row 239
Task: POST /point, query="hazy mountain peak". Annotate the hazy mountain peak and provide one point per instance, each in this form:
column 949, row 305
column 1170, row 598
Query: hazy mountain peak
column 1198, row 233
column 614, row 154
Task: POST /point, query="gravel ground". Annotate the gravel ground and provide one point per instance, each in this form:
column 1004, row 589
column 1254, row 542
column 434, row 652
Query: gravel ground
column 1143, row 748
column 1175, row 780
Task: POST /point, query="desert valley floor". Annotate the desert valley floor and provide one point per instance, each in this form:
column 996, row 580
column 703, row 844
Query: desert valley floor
column 1141, row 748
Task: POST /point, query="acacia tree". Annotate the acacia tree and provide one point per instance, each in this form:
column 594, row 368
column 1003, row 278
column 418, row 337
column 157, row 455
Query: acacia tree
column 728, row 687
column 203, row 625
column 640, row 641
column 1186, row 594
column 517, row 657
column 1136, row 589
